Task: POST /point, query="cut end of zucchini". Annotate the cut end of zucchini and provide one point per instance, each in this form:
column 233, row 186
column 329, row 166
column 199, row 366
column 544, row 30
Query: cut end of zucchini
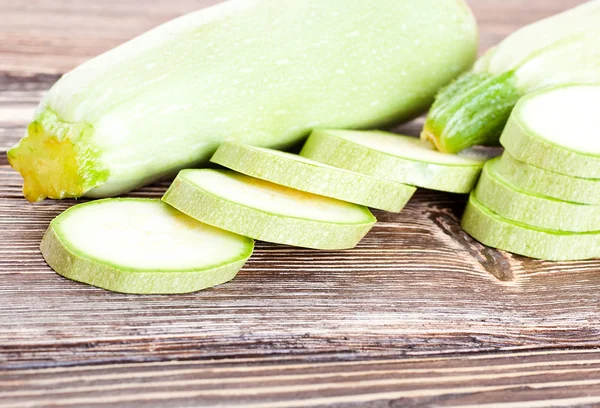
column 300, row 173
column 267, row 211
column 393, row 157
column 556, row 129
column 141, row 246
column 55, row 161
column 568, row 117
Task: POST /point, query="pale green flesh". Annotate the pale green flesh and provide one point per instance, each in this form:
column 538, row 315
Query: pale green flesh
column 546, row 130
column 141, row 246
column 547, row 183
column 508, row 201
column 265, row 72
column 495, row 231
column 303, row 174
column 394, row 157
column 268, row 212
column 568, row 117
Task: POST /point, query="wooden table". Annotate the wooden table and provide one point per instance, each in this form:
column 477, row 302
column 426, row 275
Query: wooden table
column 418, row 315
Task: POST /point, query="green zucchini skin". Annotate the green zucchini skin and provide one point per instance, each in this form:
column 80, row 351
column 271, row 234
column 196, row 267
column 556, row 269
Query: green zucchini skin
column 513, row 203
column 495, row 231
column 262, row 72
column 563, row 49
column 548, row 183
column 471, row 111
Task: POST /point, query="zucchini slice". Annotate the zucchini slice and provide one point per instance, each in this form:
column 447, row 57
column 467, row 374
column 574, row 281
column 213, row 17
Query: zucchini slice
column 510, row 202
column 557, row 130
column 495, row 231
column 537, row 180
column 267, row 211
column 141, row 246
column 398, row 158
column 307, row 175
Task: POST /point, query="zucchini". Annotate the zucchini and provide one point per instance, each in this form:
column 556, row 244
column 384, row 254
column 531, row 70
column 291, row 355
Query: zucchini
column 398, row 158
column 495, row 231
column 267, row 211
column 141, row 246
column 263, row 72
column 563, row 49
column 509, row 201
column 303, row 174
column 539, row 181
column 555, row 129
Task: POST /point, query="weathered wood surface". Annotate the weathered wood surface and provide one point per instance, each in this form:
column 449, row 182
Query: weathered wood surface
column 419, row 314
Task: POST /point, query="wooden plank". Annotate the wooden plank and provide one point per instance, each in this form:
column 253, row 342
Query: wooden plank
column 527, row 379
column 297, row 327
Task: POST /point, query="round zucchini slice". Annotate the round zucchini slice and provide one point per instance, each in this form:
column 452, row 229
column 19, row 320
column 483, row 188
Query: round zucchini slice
column 141, row 246
column 307, row 175
column 398, row 158
column 548, row 183
column 267, row 211
column 557, row 130
column 508, row 201
column 495, row 231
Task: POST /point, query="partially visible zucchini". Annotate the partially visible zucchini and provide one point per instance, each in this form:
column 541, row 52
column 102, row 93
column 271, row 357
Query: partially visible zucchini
column 267, row 211
column 563, row 49
column 264, row 72
column 141, row 246
column 548, row 183
column 303, row 174
column 513, row 203
column 398, row 158
column 556, row 130
column 495, row 231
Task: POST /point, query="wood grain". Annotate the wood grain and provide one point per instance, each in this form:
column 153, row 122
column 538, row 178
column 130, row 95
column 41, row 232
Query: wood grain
column 418, row 315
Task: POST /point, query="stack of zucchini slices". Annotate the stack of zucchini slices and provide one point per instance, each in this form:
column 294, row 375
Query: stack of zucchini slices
column 542, row 197
column 201, row 233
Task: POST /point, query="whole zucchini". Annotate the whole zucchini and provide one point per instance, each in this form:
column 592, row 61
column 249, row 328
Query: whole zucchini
column 262, row 72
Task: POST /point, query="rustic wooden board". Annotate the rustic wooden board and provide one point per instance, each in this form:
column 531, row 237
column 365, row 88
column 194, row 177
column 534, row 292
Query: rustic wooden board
column 419, row 314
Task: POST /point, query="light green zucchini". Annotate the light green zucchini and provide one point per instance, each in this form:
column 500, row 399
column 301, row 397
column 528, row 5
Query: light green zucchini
column 141, row 246
column 303, row 174
column 398, row 158
column 267, row 211
column 547, row 183
column 495, row 231
column 556, row 130
column 263, row 72
column 563, row 49
column 510, row 202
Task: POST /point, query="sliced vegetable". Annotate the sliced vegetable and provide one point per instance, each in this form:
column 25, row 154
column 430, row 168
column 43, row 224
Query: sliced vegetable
column 556, row 130
column 141, row 246
column 398, row 158
column 267, row 211
column 263, row 72
column 539, row 181
column 563, row 49
column 303, row 174
column 495, row 231
column 510, row 202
